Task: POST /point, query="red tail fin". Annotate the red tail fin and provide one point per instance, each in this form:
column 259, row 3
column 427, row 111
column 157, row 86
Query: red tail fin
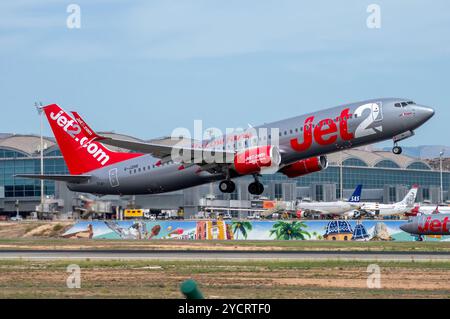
column 81, row 154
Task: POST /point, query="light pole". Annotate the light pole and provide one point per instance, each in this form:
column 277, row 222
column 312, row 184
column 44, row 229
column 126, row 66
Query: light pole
column 341, row 179
column 442, row 184
column 40, row 112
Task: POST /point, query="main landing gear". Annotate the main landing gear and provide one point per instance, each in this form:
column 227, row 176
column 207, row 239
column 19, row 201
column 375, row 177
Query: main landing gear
column 227, row 186
column 256, row 188
column 397, row 150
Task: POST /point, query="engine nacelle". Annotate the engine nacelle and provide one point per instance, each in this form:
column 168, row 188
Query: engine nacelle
column 307, row 166
column 258, row 159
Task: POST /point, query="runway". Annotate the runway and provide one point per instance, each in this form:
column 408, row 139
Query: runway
column 222, row 255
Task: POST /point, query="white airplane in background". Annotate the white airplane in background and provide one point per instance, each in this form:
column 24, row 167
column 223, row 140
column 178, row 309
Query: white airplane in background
column 400, row 208
column 331, row 208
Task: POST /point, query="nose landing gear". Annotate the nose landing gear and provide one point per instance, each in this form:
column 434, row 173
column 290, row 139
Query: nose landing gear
column 397, row 150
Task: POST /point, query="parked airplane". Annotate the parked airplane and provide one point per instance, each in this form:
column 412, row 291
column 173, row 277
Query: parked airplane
column 297, row 148
column 399, row 208
column 428, row 210
column 438, row 224
column 331, row 208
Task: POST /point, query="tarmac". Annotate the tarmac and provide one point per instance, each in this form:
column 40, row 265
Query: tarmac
column 222, row 255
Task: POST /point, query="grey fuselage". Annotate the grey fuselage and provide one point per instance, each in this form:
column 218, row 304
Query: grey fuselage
column 375, row 120
column 435, row 224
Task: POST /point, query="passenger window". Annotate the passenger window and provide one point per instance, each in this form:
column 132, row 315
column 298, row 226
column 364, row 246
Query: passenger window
column 404, row 104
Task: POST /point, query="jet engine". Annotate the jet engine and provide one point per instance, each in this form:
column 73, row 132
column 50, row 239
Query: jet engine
column 306, row 166
column 257, row 160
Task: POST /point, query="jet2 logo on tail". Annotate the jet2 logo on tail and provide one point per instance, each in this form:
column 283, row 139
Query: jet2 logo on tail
column 73, row 129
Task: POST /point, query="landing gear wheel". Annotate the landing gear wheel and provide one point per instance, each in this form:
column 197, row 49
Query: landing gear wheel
column 227, row 186
column 397, row 150
column 255, row 188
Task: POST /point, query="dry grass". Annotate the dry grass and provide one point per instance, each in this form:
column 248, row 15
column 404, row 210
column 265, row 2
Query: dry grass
column 249, row 279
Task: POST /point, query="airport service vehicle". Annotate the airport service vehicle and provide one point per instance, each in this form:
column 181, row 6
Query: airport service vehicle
column 400, row 208
column 331, row 208
column 294, row 147
column 436, row 224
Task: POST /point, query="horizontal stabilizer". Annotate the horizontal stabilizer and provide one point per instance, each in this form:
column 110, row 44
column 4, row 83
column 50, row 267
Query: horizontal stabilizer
column 55, row 177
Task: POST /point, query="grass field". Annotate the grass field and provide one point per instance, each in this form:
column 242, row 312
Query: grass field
column 237, row 279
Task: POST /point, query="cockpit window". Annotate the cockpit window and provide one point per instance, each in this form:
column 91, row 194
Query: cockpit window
column 397, row 105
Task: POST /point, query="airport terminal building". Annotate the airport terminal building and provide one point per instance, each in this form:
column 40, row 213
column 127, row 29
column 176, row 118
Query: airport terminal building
column 386, row 178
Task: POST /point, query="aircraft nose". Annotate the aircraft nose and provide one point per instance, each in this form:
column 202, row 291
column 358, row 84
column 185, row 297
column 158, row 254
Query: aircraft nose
column 407, row 227
column 424, row 113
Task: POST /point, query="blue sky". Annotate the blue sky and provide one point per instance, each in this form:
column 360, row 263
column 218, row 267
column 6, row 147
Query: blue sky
column 145, row 67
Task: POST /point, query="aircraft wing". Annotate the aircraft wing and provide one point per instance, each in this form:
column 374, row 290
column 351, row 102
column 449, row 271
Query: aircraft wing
column 162, row 151
column 159, row 150
column 320, row 211
column 56, row 177
column 314, row 210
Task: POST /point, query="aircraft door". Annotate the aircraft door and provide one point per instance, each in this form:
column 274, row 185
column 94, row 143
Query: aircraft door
column 377, row 112
column 113, row 178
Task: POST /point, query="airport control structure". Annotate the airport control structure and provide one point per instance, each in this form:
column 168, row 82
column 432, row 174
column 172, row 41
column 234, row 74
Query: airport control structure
column 386, row 178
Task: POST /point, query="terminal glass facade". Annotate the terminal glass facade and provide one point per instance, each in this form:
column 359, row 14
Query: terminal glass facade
column 370, row 177
column 14, row 162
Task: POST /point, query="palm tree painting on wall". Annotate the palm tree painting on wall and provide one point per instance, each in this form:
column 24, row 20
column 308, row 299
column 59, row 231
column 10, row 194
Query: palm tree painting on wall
column 242, row 228
column 290, row 231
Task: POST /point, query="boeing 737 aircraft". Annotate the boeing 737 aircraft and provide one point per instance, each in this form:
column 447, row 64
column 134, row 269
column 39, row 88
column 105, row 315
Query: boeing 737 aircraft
column 293, row 147
column 434, row 225
column 331, row 208
column 399, row 208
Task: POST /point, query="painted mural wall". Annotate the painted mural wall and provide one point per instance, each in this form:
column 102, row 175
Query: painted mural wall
column 366, row 230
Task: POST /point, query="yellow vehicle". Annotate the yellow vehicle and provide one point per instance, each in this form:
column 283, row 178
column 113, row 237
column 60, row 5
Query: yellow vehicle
column 133, row 213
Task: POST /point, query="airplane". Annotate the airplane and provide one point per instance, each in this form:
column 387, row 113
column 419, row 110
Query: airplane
column 431, row 225
column 428, row 210
column 400, row 208
column 331, row 208
column 294, row 147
